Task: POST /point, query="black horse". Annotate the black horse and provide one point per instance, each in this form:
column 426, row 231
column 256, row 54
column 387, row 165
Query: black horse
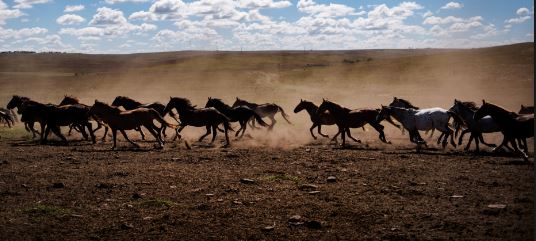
column 263, row 110
column 242, row 114
column 190, row 116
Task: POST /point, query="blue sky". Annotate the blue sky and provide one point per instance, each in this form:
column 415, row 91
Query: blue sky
column 127, row 26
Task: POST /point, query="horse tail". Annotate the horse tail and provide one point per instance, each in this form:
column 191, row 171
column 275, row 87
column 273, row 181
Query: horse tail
column 259, row 119
column 159, row 118
column 285, row 116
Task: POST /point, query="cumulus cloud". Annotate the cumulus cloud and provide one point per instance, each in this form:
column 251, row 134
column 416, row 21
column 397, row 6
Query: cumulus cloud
column 517, row 20
column 523, row 11
column 21, row 33
column 73, row 8
column 256, row 4
column 6, row 13
column 69, row 19
column 322, row 10
column 108, row 16
column 452, row 5
column 28, row 3
column 124, row 1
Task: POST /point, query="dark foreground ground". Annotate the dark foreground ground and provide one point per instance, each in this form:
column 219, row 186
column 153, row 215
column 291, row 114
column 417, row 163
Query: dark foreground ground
column 87, row 192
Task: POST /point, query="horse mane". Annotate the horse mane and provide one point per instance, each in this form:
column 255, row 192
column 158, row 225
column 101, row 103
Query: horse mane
column 186, row 102
column 407, row 103
column 469, row 104
column 126, row 98
column 113, row 109
column 73, row 98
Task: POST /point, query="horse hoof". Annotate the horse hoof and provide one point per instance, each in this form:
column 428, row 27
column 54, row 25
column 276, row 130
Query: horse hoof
column 358, row 141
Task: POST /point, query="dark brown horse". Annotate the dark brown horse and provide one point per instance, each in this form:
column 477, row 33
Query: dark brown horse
column 346, row 118
column 127, row 120
column 513, row 126
column 7, row 117
column 264, row 110
column 240, row 114
column 56, row 116
column 71, row 100
column 528, row 109
column 130, row 104
column 207, row 117
column 30, row 113
column 318, row 119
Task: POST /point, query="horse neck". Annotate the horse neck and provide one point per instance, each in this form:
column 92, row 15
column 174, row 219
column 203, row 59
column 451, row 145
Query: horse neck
column 311, row 109
column 466, row 113
column 499, row 114
column 400, row 114
column 338, row 110
column 131, row 104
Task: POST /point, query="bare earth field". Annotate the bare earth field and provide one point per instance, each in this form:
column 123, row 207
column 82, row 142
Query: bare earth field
column 268, row 186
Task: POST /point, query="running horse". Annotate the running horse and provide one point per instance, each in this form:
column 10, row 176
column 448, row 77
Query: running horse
column 209, row 118
column 130, row 104
column 71, row 100
column 240, row 114
column 346, row 118
column 263, row 110
column 513, row 126
column 30, row 113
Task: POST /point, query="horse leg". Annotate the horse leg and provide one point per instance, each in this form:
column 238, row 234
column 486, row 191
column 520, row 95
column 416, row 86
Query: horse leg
column 379, row 128
column 350, row 136
column 91, row 132
column 83, row 132
column 471, row 137
column 141, row 132
column 334, row 138
column 163, row 130
column 343, row 132
column 440, row 137
column 56, row 130
column 114, row 137
column 206, row 134
column 43, row 126
column 461, row 136
column 105, row 133
column 273, row 122
column 155, row 131
column 311, row 130
column 320, row 131
column 525, row 147
column 227, row 136
column 503, row 143
column 44, row 135
column 214, row 133
column 243, row 129
column 477, row 142
column 126, row 137
column 450, row 134
column 517, row 150
column 178, row 133
column 431, row 134
column 481, row 138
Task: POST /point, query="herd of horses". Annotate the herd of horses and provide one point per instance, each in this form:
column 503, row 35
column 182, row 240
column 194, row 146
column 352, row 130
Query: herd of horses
column 466, row 117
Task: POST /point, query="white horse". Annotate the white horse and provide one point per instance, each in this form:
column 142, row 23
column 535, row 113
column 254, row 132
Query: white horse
column 421, row 120
column 466, row 111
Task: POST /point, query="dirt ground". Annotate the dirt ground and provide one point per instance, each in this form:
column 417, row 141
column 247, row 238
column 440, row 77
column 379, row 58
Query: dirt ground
column 281, row 185
column 380, row 191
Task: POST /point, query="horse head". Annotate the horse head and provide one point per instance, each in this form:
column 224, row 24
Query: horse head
column 484, row 110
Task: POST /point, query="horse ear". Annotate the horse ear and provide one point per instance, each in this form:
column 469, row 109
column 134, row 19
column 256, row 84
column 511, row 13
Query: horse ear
column 96, row 101
column 522, row 106
column 394, row 98
column 483, row 101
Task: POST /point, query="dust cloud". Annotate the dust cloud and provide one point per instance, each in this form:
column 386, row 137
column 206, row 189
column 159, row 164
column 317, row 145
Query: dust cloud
column 428, row 78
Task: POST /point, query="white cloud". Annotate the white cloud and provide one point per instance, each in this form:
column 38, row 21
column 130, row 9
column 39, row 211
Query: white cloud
column 21, row 33
column 323, row 10
column 517, row 20
column 124, row 1
column 427, row 14
column 256, row 4
column 6, row 13
column 522, row 11
column 108, row 16
column 28, row 3
column 146, row 16
column 452, row 5
column 69, row 19
column 73, row 8
column 464, row 26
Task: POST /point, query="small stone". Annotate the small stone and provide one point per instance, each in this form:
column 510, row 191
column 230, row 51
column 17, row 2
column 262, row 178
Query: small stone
column 136, row 196
column 312, row 224
column 220, row 200
column 305, row 187
column 332, row 179
column 237, row 202
column 175, row 159
column 172, row 187
column 313, row 192
column 58, row 185
column 269, row 228
column 247, row 181
column 209, row 195
column 295, row 218
column 497, row 206
column 147, row 218
column 456, row 196
column 126, row 226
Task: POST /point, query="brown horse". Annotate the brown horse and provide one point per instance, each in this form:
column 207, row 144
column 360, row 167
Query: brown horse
column 240, row 114
column 130, row 104
column 30, row 113
column 207, row 117
column 71, row 100
column 119, row 120
column 318, row 119
column 513, row 126
column 526, row 109
column 263, row 110
column 346, row 118
column 56, row 116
